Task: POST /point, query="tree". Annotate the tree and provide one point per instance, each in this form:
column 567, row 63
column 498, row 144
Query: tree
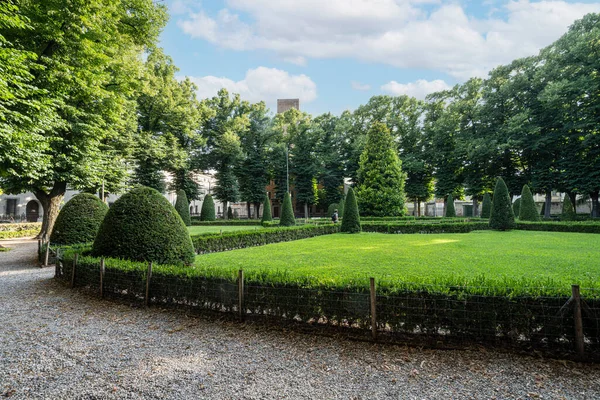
column 351, row 218
column 87, row 66
column 207, row 213
column 380, row 179
column 502, row 217
column 517, row 207
column 329, row 157
column 528, row 210
column 486, row 206
column 450, row 210
column 267, row 217
column 182, row 206
column 568, row 211
column 287, row 214
column 304, row 163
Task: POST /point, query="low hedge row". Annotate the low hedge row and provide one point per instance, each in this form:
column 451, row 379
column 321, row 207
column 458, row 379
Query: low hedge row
column 230, row 222
column 210, row 243
column 565, row 226
column 442, row 227
column 19, row 234
column 25, row 226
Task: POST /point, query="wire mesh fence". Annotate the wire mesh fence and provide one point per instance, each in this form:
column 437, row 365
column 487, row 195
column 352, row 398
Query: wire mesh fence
column 547, row 323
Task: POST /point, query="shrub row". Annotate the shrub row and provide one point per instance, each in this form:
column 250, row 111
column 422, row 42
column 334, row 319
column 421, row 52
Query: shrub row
column 26, row 226
column 565, row 226
column 230, row 222
column 443, row 227
column 210, row 243
column 19, row 234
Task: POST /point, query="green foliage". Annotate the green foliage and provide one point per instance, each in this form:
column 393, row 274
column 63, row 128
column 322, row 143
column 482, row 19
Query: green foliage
column 380, row 179
column 406, row 227
column 223, row 222
column 207, row 213
column 486, row 206
column 18, row 234
column 450, row 210
column 502, row 217
column 143, row 226
column 79, row 220
column 266, row 216
column 341, row 206
column 568, row 211
column 23, row 226
column 229, row 213
column 182, row 206
column 517, row 207
column 528, row 210
column 230, row 227
column 351, row 218
column 287, row 214
column 331, row 209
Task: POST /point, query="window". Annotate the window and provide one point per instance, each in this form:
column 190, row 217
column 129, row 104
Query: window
column 11, row 207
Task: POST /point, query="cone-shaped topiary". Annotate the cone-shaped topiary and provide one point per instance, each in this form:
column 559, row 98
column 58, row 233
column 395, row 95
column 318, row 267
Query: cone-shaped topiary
column 450, row 210
column 517, row 207
column 341, row 206
column 568, row 211
column 183, row 207
column 79, row 220
column 287, row 214
column 229, row 213
column 351, row 219
column 207, row 213
column 528, row 211
column 486, row 206
column 502, row 217
column 331, row 209
column 266, row 216
column 143, row 226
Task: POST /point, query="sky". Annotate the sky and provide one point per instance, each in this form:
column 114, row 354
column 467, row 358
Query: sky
column 335, row 54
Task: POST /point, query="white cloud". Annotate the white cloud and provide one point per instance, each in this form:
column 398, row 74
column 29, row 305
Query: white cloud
column 360, row 86
column 400, row 33
column 418, row 89
column 260, row 84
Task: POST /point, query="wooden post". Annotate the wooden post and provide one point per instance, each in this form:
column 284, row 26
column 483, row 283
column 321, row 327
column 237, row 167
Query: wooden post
column 579, row 342
column 73, row 270
column 102, row 277
column 148, row 277
column 47, row 255
column 373, row 310
column 241, row 307
column 39, row 246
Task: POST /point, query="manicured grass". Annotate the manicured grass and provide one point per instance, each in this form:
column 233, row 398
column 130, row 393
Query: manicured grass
column 198, row 230
column 500, row 259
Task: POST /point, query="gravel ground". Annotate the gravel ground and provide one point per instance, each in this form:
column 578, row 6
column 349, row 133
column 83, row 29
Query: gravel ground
column 58, row 343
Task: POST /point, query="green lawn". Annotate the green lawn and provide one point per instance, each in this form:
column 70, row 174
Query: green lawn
column 479, row 258
column 198, row 230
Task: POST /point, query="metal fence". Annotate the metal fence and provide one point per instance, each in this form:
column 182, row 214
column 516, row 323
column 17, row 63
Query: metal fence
column 560, row 325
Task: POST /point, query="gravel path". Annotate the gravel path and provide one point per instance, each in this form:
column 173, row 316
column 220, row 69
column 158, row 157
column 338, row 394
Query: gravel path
column 58, row 343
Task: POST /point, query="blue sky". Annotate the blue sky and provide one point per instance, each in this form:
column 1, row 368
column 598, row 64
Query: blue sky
column 335, row 54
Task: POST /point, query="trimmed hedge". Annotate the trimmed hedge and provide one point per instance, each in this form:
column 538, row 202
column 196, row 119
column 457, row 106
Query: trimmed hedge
column 210, row 243
column 502, row 217
column 287, row 214
column 351, row 218
column 442, row 227
column 79, row 220
column 227, row 222
column 486, row 206
column 267, row 215
column 207, row 213
column 450, row 210
column 567, row 226
column 18, row 234
column 568, row 211
column 528, row 210
column 143, row 226
column 517, row 207
column 182, row 205
column 25, row 226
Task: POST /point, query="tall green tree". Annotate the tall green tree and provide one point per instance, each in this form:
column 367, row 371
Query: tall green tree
column 87, row 65
column 380, row 189
column 528, row 211
column 502, row 217
column 329, row 157
column 304, row 163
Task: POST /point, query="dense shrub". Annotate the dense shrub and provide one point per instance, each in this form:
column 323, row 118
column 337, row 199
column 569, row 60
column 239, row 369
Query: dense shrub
column 183, row 207
column 528, row 211
column 207, row 213
column 229, row 213
column 486, row 206
column 287, row 214
column 502, row 217
column 143, row 226
column 23, row 226
column 568, row 211
column 517, row 207
column 79, row 220
column 267, row 216
column 351, row 218
column 450, row 210
column 440, row 227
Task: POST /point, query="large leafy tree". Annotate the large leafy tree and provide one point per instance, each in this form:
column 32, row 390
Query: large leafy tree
column 87, row 64
column 329, row 157
column 304, row 162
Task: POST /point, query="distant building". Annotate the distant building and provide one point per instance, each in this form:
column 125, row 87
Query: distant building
column 286, row 104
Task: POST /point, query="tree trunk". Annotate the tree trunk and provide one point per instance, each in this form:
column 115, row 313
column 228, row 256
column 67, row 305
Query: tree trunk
column 257, row 209
column 305, row 210
column 415, row 208
column 573, row 198
column 51, row 206
column 444, row 209
column 248, row 210
column 548, row 204
column 225, row 210
column 595, row 211
column 475, row 207
column 419, row 207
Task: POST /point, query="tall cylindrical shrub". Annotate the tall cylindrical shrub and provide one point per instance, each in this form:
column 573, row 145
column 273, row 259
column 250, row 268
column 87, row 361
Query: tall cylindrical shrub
column 267, row 216
column 143, row 226
column 450, row 210
column 486, row 206
column 528, row 211
column 351, row 219
column 287, row 214
column 502, row 217
column 79, row 220
column 183, row 207
column 517, row 207
column 207, row 213
column 568, row 211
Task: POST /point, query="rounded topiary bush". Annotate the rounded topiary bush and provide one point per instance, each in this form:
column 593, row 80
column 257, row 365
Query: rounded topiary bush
column 528, row 210
column 207, row 213
column 143, row 226
column 267, row 216
column 351, row 219
column 79, row 220
column 183, row 207
column 287, row 214
column 450, row 210
column 502, row 217
column 486, row 206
